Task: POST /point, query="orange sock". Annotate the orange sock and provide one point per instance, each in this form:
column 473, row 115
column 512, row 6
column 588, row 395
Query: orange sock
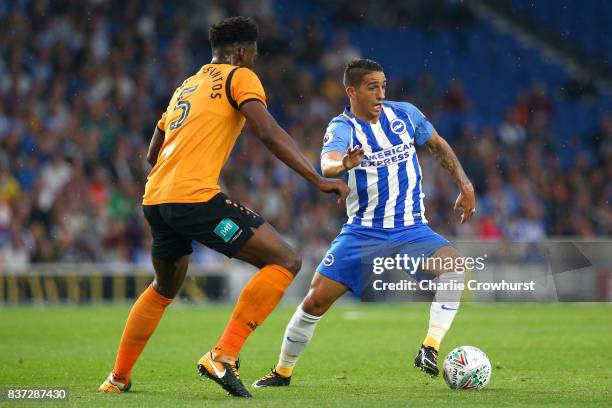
column 142, row 321
column 257, row 300
column 431, row 342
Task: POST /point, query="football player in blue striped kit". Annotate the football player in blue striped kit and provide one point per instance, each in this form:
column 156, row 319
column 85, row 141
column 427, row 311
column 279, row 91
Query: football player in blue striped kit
column 372, row 145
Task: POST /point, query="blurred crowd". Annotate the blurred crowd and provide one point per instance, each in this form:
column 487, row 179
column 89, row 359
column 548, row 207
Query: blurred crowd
column 82, row 84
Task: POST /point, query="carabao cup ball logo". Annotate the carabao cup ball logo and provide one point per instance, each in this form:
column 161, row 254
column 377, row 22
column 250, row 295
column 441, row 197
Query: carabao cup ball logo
column 328, row 260
column 398, row 126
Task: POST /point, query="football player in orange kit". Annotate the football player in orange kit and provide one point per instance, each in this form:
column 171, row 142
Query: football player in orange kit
column 183, row 202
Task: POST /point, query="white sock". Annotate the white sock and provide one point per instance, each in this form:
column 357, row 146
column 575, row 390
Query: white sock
column 441, row 315
column 298, row 333
column 443, row 310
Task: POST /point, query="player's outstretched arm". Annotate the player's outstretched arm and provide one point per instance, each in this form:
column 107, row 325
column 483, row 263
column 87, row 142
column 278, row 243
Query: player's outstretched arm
column 156, row 143
column 334, row 164
column 282, row 146
column 445, row 155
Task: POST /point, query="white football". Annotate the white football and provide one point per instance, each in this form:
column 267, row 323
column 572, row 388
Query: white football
column 467, row 367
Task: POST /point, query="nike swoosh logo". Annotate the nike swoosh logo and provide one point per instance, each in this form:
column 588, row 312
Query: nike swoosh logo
column 449, row 308
column 424, row 359
column 295, row 341
column 219, row 374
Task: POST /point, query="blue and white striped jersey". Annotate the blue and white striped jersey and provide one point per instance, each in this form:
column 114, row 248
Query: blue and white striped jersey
column 386, row 188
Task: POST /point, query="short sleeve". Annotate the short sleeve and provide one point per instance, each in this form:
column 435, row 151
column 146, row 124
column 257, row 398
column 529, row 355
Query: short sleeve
column 423, row 129
column 337, row 137
column 161, row 123
column 245, row 86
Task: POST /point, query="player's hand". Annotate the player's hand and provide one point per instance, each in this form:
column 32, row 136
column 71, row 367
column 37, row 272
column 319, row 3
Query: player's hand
column 353, row 157
column 466, row 202
column 328, row 185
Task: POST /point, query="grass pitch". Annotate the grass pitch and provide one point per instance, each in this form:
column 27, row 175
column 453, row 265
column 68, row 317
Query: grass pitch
column 361, row 355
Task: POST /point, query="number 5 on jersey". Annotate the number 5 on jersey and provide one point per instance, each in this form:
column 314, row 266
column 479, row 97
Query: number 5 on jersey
column 185, row 106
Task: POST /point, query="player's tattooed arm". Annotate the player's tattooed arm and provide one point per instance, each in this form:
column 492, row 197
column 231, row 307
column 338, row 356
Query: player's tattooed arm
column 156, row 143
column 445, row 155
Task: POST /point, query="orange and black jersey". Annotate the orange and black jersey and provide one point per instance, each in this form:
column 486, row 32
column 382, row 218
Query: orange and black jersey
column 201, row 126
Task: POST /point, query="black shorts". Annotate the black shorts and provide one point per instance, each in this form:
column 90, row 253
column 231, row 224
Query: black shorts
column 220, row 223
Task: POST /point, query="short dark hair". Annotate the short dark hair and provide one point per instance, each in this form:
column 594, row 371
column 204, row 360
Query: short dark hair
column 357, row 68
column 233, row 30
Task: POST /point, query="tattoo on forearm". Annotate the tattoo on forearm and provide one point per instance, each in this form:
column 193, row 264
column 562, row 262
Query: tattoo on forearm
column 445, row 155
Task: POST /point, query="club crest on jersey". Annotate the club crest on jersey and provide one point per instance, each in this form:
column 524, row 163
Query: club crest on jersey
column 398, row 126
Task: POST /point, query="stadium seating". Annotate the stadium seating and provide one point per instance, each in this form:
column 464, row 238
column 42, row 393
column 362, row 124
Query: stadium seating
column 585, row 23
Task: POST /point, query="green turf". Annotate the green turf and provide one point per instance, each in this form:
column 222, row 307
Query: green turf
column 361, row 355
